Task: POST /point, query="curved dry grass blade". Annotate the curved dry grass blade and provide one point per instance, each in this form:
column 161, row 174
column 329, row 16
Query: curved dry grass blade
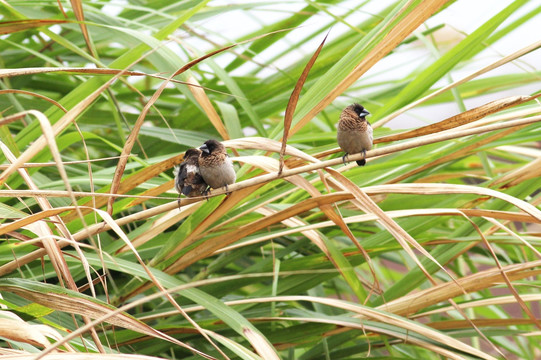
column 69, row 301
column 412, row 303
column 446, row 189
column 64, row 300
column 403, row 238
column 292, row 103
column 396, row 35
column 381, row 315
column 77, row 7
column 501, row 300
column 260, row 345
column 460, row 119
column 517, row 176
column 55, row 103
column 203, row 100
column 259, row 143
column 510, row 286
column 18, row 330
column 10, row 27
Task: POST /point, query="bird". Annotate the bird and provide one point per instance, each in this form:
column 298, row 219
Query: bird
column 215, row 165
column 188, row 179
column 355, row 134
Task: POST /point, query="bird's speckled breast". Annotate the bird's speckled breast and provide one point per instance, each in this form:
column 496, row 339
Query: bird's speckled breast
column 219, row 175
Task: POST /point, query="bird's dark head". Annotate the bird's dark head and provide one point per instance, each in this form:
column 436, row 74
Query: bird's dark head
column 211, row 146
column 360, row 110
column 192, row 153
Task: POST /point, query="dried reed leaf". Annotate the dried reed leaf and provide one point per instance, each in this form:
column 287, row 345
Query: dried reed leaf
column 15, row 91
column 293, row 100
column 259, row 143
column 458, row 120
column 412, row 303
column 384, row 316
column 203, row 100
column 260, row 344
column 446, row 189
column 69, row 301
column 9, row 27
column 404, row 239
column 18, row 330
column 500, row 300
column 77, row 7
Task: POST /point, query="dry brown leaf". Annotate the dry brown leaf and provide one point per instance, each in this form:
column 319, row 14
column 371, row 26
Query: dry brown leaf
column 72, row 302
column 77, row 7
column 203, row 100
column 384, row 316
column 259, row 143
column 293, row 100
column 9, row 27
column 414, row 302
column 260, row 344
column 403, row 238
column 458, row 120
column 15, row 91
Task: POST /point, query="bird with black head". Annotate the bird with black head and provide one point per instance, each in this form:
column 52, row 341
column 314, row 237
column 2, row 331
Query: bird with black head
column 215, row 165
column 355, row 133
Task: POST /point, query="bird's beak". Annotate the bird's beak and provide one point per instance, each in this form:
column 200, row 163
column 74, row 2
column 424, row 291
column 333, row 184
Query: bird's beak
column 364, row 113
column 204, row 148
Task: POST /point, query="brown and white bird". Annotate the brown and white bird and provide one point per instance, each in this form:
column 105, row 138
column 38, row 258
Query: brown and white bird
column 355, row 133
column 215, row 165
column 188, row 179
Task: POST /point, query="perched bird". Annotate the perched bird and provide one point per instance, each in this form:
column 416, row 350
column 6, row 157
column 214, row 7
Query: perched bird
column 215, row 165
column 354, row 132
column 188, row 179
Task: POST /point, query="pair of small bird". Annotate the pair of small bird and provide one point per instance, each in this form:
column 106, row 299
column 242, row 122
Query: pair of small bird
column 210, row 166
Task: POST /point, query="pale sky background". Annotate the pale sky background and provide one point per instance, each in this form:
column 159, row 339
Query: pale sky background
column 462, row 17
